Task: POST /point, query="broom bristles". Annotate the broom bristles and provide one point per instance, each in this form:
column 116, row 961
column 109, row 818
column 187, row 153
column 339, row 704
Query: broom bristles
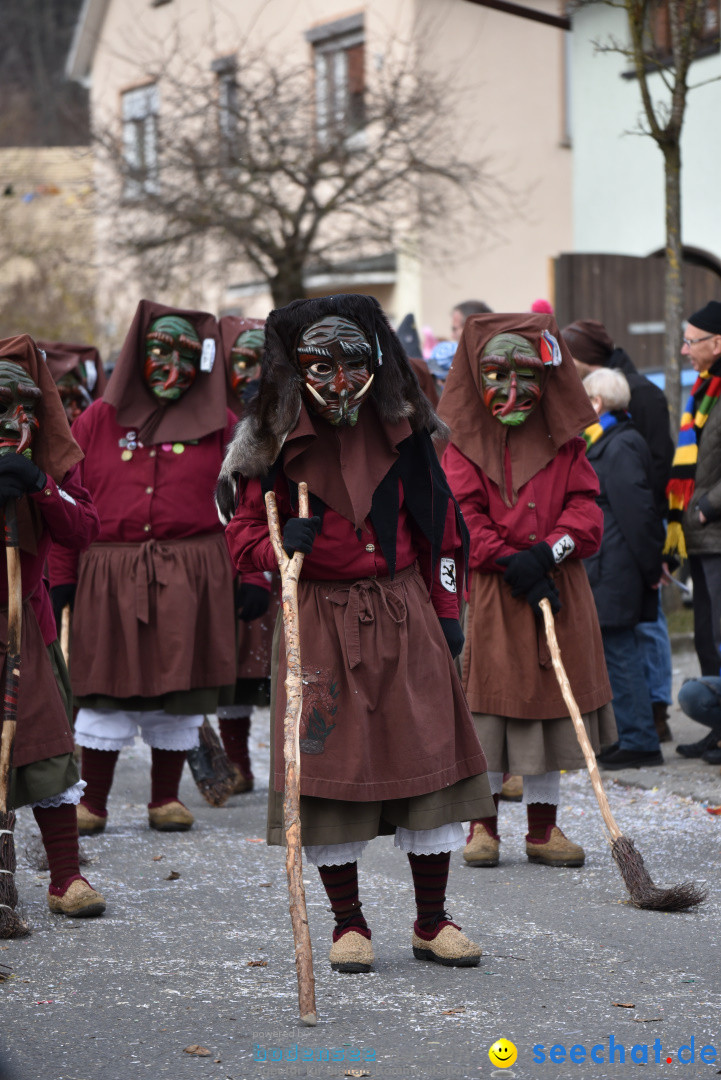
column 11, row 925
column 213, row 772
column 643, row 892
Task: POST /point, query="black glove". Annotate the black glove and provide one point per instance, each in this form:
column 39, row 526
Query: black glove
column 19, row 475
column 525, row 568
column 453, row 634
column 61, row 596
column 536, row 593
column 251, row 602
column 299, row 534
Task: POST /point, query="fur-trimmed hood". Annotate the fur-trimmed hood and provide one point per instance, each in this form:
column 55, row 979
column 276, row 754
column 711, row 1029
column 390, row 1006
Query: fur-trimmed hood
column 275, row 412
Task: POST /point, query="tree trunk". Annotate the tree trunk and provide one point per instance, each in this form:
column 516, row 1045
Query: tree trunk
column 673, row 298
column 287, row 285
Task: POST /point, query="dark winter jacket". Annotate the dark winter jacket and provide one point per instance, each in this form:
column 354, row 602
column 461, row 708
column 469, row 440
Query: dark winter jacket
column 649, row 411
column 706, row 539
column 628, row 563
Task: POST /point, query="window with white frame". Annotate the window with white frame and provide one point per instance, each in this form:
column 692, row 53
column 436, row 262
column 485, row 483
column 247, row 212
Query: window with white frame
column 140, row 140
column 339, row 61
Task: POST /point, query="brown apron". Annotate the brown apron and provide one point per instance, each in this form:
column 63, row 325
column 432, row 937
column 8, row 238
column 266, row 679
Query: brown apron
column 507, row 668
column 154, row 618
column 384, row 716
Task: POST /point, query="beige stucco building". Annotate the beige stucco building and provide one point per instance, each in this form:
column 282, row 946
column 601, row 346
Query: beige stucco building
column 509, row 104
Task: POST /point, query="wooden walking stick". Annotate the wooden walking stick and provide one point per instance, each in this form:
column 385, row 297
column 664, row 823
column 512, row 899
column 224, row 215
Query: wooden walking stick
column 641, row 889
column 11, row 925
column 289, row 575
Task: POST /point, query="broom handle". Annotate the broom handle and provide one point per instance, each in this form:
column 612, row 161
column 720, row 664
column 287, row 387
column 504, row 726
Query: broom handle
column 289, row 574
column 12, row 659
column 578, row 723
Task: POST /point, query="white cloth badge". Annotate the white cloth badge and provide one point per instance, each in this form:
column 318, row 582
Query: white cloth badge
column 448, row 574
column 207, row 357
column 562, row 548
column 91, row 376
column 554, row 349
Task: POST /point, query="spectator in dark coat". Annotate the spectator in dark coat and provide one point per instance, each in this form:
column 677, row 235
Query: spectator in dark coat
column 593, row 350
column 625, row 572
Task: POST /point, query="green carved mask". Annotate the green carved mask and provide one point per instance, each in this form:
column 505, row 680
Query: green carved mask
column 245, row 358
column 172, row 357
column 511, row 378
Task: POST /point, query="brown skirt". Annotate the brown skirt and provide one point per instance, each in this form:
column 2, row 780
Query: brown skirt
column 507, row 669
column 384, row 720
column 532, row 747
column 154, row 618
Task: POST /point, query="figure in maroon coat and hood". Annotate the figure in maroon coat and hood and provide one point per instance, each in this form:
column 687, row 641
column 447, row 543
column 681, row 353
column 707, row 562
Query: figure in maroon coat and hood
column 78, row 373
column 386, row 741
column 153, row 638
column 242, row 341
column 517, row 465
column 39, row 469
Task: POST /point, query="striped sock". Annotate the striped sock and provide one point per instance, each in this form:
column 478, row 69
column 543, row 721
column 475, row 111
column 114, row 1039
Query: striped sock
column 541, row 819
column 59, row 831
column 490, row 824
column 430, row 878
column 341, row 885
column 165, row 772
column 98, row 768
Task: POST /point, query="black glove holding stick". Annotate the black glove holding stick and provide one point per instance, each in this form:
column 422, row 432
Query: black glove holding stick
column 299, row 535
column 19, row 476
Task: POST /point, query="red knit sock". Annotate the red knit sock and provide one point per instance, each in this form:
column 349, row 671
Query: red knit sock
column 490, row 824
column 541, row 819
column 430, row 878
column 341, row 885
column 98, row 767
column 165, row 772
column 59, row 831
column 234, row 734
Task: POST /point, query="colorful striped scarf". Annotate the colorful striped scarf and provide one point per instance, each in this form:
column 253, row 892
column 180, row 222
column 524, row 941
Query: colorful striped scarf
column 607, row 420
column 704, row 395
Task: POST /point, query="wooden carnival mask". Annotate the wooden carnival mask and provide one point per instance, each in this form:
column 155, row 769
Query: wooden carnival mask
column 335, row 357
column 245, row 358
column 172, row 357
column 512, row 376
column 19, row 398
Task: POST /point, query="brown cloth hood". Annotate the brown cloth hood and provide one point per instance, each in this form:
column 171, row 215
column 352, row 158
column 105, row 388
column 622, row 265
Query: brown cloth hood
column 199, row 412
column 230, row 327
column 343, row 466
column 562, row 413
column 63, row 358
column 54, row 449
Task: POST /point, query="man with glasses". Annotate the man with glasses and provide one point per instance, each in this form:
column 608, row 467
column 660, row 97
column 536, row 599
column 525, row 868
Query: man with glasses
column 695, row 486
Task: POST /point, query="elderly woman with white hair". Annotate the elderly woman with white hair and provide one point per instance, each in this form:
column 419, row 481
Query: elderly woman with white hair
column 625, row 572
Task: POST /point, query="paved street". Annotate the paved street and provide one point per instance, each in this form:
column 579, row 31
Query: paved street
column 206, row 959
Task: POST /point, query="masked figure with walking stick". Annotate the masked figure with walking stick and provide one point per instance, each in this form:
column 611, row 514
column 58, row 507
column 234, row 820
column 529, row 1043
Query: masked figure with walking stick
column 517, row 465
column 40, row 487
column 387, row 744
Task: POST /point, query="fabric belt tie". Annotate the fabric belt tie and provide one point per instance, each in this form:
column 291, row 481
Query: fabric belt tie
column 356, row 598
column 150, row 568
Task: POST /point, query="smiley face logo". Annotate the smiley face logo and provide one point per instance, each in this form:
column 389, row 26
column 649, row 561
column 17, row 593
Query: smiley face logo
column 503, row 1053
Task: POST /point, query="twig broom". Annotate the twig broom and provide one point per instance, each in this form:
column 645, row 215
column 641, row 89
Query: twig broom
column 641, row 889
column 11, row 925
column 289, row 575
